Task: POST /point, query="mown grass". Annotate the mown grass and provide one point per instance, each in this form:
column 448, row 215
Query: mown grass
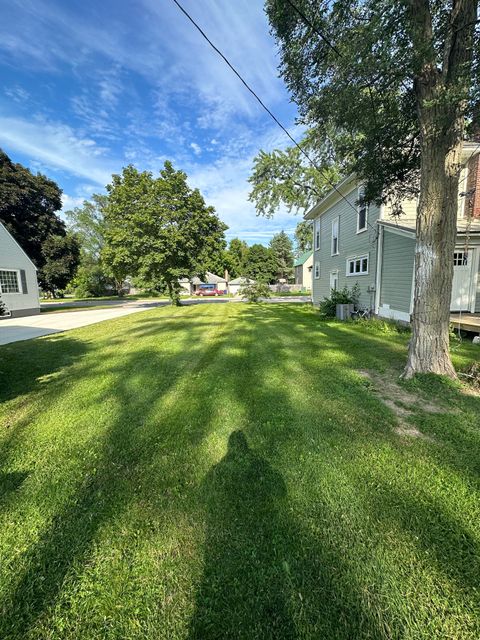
column 224, row 471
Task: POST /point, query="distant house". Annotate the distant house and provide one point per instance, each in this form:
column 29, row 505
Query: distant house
column 354, row 243
column 194, row 284
column 236, row 284
column 18, row 277
column 303, row 270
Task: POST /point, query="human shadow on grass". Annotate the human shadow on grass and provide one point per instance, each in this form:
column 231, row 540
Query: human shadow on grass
column 244, row 591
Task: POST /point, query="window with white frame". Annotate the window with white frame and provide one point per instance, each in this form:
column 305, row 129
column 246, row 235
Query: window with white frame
column 357, row 266
column 335, row 230
column 317, row 234
column 362, row 211
column 317, row 270
column 9, row 281
column 333, row 280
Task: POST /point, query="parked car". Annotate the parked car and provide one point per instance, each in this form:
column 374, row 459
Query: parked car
column 210, row 292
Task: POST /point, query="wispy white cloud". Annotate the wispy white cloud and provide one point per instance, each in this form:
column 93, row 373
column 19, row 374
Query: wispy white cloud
column 57, row 146
column 17, row 94
column 197, row 149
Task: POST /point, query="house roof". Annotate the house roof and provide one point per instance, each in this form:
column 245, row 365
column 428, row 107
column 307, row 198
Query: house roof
column 211, row 278
column 242, row 280
column 15, row 242
column 302, row 258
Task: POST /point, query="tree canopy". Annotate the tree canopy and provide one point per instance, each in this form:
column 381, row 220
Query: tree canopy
column 395, row 86
column 303, row 237
column 261, row 264
column 282, row 250
column 286, row 178
column 61, row 257
column 28, row 207
column 88, row 224
column 158, row 228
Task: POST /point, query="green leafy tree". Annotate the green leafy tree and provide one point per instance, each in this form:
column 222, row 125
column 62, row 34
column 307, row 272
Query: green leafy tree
column 261, row 265
column 61, row 257
column 237, row 257
column 90, row 280
column 282, row 250
column 88, row 224
column 28, row 206
column 255, row 291
column 158, row 229
column 286, row 178
column 396, row 82
column 303, row 237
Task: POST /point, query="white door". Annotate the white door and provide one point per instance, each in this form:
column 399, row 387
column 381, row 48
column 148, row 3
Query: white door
column 462, row 279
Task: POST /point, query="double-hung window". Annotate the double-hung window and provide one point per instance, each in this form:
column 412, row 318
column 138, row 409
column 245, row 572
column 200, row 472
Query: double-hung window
column 357, row 266
column 9, row 282
column 317, row 234
column 362, row 211
column 316, row 271
column 335, row 239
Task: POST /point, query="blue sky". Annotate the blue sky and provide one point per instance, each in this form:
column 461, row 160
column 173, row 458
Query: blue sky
column 88, row 87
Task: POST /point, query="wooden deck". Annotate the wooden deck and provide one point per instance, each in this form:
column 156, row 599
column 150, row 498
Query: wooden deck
column 466, row 321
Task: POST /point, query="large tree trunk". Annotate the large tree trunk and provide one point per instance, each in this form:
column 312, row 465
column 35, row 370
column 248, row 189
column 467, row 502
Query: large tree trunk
column 436, row 233
column 441, row 93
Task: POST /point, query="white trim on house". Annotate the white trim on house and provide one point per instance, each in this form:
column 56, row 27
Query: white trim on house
column 333, row 277
column 335, row 221
column 402, row 231
column 354, row 259
column 392, row 314
column 379, row 265
column 19, row 282
column 316, row 234
column 474, row 283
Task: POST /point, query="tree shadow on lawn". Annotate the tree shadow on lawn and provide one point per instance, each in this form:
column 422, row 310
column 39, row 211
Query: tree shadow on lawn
column 22, row 365
column 151, row 453
column 138, row 442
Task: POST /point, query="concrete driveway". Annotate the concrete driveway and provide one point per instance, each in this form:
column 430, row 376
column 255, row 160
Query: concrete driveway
column 15, row 329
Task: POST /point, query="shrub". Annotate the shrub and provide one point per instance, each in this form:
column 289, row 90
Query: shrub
column 253, row 292
column 3, row 308
column 328, row 307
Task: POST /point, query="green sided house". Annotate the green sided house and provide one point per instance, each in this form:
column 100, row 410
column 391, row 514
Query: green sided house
column 364, row 244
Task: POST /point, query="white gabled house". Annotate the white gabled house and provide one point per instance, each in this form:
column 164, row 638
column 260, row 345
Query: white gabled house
column 18, row 278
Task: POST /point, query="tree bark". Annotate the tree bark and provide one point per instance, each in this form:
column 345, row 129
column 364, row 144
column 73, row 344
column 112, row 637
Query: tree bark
column 441, row 100
column 174, row 294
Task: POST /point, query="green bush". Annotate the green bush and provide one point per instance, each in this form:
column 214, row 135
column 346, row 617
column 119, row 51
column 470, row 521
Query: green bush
column 253, row 292
column 3, row 308
column 328, row 307
column 90, row 282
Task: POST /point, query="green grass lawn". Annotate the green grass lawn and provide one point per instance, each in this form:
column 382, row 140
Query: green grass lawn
column 229, row 471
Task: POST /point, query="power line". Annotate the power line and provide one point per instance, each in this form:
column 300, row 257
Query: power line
column 262, row 104
column 314, row 28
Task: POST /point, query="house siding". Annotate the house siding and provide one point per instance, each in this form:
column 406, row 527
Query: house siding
column 13, row 257
column 398, row 257
column 351, row 244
